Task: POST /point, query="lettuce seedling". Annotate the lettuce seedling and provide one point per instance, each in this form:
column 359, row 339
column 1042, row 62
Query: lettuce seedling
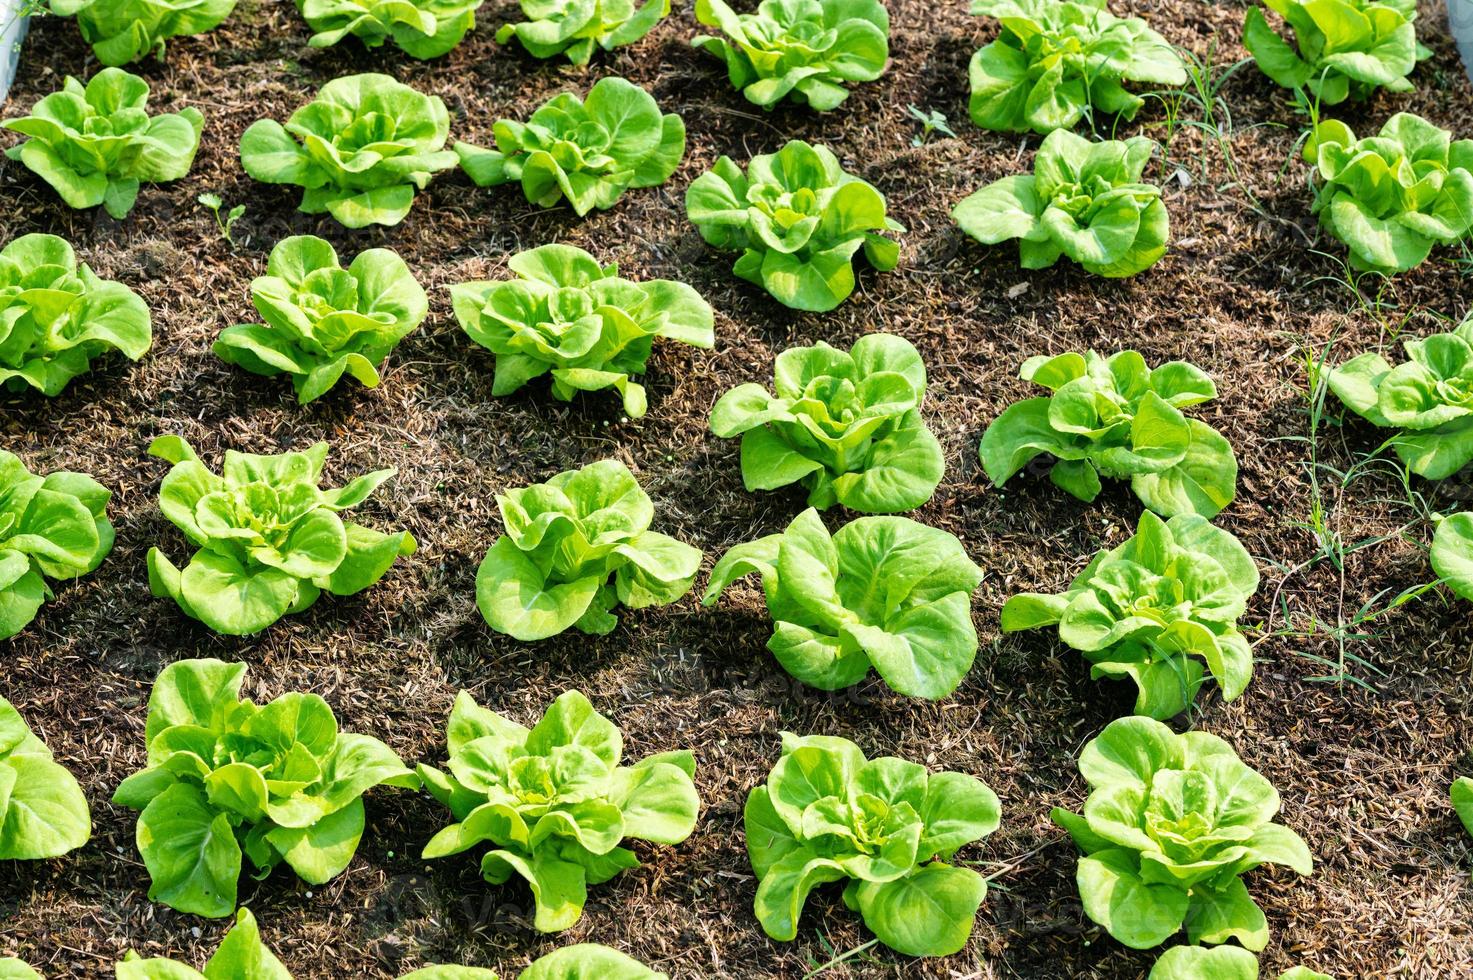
column 50, row 527
column 43, row 813
column 96, row 143
column 1392, row 197
column 1429, row 397
column 1056, row 61
column 1116, row 417
column 802, row 50
column 56, row 315
column 358, row 151
column 886, row 827
column 420, row 28
column 124, row 31
column 269, row 540
column 1218, row 963
column 554, row 802
column 883, row 593
column 322, row 320
column 1344, row 49
column 564, row 539
column 1170, row 824
column 574, row 28
column 846, row 425
column 227, row 777
column 588, row 151
column 1085, row 200
column 797, row 218
column 1173, row 592
column 579, row 321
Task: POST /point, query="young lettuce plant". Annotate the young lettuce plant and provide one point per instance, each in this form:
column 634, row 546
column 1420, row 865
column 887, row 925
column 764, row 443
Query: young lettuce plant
column 846, row 425
column 1085, row 200
column 797, row 218
column 56, row 315
column 1346, row 49
column 554, row 802
column 1170, row 824
column 579, row 321
column 1148, row 609
column 564, row 539
column 589, row 151
column 228, row 778
column 883, row 593
column 43, row 813
column 886, row 827
column 1219, row 963
column 1056, row 61
column 1452, row 553
column 269, row 540
column 1462, row 797
column 124, row 31
column 96, row 143
column 324, row 321
column 359, row 151
column 574, row 28
column 1392, row 197
column 1116, row 417
column 422, row 29
column 802, row 50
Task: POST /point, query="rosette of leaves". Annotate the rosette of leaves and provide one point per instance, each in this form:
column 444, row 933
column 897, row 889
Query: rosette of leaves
column 589, row 151
column 324, row 321
column 847, row 425
column 553, row 801
column 1428, row 397
column 579, row 321
column 269, row 540
column 420, row 28
column 1150, row 609
column 1170, row 824
column 797, row 218
column 1116, row 417
column 124, row 31
column 359, row 150
column 885, row 827
column 802, row 50
column 54, row 526
column 96, row 143
column 1345, row 49
column 565, row 540
column 574, row 28
column 56, row 315
column 882, row 593
column 1055, row 62
column 227, row 778
column 1218, row 963
column 43, row 813
column 1390, row 198
column 1085, row 200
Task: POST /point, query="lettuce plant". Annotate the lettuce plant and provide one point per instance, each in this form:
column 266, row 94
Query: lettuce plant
column 1392, row 197
column 882, row 592
column 269, row 539
column 885, row 827
column 1462, row 797
column 96, row 143
column 1085, row 200
column 846, row 425
column 803, row 50
column 564, row 539
column 1148, row 609
column 797, row 218
column 358, row 151
column 12, row 968
column 579, row 321
column 43, row 813
column 589, row 151
column 1170, row 824
column 574, row 28
column 1056, row 61
column 124, row 31
column 1114, row 416
column 420, row 28
column 228, row 778
column 1345, row 49
column 56, row 315
column 553, row 801
column 1218, row 963
column 322, row 320
column 54, row 526
column 1452, row 553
